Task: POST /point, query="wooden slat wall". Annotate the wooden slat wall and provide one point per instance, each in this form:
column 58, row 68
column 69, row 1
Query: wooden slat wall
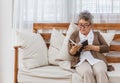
column 96, row 26
column 64, row 26
column 44, row 26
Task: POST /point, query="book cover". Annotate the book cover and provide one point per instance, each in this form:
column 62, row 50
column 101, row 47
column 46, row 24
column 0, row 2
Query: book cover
column 84, row 43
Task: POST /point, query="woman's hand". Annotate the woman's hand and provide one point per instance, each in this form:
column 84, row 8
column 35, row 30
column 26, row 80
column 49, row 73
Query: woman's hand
column 91, row 47
column 74, row 49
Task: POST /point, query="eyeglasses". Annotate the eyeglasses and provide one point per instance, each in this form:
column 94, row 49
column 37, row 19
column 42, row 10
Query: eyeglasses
column 85, row 25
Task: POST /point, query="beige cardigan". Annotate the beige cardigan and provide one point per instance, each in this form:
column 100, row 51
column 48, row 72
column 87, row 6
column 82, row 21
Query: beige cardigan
column 99, row 41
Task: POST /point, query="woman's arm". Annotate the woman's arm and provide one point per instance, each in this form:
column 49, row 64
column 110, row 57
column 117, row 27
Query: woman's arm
column 102, row 47
column 72, row 48
column 92, row 47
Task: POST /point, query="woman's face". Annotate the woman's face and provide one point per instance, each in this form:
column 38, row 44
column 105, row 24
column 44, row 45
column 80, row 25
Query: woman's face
column 84, row 26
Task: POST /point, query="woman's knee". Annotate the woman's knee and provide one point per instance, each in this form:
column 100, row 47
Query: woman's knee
column 100, row 68
column 85, row 71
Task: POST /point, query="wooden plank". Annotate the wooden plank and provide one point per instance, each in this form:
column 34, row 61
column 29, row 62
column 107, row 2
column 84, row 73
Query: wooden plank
column 115, row 47
column 107, row 26
column 112, row 59
column 16, row 63
column 51, row 25
column 46, row 36
column 97, row 26
column 117, row 37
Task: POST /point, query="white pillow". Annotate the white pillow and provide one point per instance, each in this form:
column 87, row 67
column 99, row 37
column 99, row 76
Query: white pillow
column 108, row 37
column 64, row 54
column 34, row 50
column 56, row 42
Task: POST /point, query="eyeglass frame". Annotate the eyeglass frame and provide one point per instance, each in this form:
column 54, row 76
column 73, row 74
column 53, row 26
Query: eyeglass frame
column 85, row 25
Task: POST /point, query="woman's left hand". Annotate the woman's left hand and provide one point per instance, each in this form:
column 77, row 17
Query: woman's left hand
column 91, row 47
column 88, row 47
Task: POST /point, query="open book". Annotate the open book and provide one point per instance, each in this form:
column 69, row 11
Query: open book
column 83, row 43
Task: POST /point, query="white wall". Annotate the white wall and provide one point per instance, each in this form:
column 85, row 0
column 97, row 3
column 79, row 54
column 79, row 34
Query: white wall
column 0, row 45
column 6, row 49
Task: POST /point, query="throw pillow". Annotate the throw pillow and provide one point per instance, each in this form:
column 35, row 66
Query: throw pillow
column 108, row 37
column 34, row 50
column 56, row 42
column 64, row 54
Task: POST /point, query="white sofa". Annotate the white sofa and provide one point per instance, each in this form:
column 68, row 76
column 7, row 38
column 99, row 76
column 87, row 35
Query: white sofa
column 37, row 64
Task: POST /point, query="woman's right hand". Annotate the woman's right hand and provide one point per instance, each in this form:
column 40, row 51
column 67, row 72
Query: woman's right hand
column 74, row 49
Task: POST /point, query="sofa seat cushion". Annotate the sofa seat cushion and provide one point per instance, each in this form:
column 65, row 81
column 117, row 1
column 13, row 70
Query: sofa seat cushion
column 34, row 79
column 47, row 72
column 55, row 72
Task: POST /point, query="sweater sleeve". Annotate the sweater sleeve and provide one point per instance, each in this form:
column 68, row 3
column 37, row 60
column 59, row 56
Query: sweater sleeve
column 103, row 45
column 72, row 37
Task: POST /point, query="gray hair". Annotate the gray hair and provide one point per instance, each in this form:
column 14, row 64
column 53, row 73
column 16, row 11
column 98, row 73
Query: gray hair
column 87, row 16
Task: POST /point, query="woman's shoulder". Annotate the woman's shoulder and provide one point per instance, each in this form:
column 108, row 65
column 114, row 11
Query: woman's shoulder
column 96, row 32
column 76, row 32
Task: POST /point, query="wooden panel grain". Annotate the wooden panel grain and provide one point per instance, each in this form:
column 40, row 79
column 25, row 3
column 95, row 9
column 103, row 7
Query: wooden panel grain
column 115, row 47
column 16, row 50
column 112, row 59
column 51, row 25
column 97, row 26
column 117, row 37
column 46, row 36
column 107, row 26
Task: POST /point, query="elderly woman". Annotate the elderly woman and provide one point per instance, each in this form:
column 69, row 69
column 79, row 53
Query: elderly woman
column 89, row 63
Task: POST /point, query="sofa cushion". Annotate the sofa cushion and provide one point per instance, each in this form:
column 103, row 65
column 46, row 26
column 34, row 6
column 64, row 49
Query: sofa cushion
column 64, row 54
column 55, row 72
column 47, row 72
column 33, row 51
column 56, row 42
column 108, row 37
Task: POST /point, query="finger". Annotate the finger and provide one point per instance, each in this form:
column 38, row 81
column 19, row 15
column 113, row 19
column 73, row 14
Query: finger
column 85, row 47
column 74, row 47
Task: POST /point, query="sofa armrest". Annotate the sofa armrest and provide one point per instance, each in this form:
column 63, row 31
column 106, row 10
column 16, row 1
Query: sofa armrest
column 16, row 51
